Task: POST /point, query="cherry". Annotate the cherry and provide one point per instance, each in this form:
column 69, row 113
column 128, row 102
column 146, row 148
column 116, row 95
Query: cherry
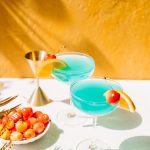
column 112, row 97
column 50, row 56
column 53, row 56
column 47, row 56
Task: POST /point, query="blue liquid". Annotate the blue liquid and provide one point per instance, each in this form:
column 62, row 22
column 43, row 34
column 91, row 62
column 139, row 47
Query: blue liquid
column 88, row 96
column 79, row 67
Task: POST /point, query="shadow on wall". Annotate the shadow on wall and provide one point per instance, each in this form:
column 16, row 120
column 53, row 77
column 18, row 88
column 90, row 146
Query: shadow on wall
column 26, row 17
column 23, row 28
column 136, row 143
column 53, row 10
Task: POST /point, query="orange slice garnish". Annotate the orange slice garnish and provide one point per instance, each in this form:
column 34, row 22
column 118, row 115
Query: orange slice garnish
column 46, row 67
column 126, row 102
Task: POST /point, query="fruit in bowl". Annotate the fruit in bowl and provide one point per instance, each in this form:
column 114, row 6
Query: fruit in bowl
column 24, row 125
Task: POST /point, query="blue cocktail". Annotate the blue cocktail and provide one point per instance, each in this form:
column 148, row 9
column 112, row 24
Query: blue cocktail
column 79, row 66
column 89, row 96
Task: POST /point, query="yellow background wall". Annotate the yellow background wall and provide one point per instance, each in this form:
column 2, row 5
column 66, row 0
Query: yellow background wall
column 115, row 32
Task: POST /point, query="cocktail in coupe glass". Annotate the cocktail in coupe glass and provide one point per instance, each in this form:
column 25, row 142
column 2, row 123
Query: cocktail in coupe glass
column 79, row 66
column 90, row 96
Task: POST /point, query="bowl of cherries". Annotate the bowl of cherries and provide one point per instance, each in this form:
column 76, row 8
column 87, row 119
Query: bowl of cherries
column 24, row 125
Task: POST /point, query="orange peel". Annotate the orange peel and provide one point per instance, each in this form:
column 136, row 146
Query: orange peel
column 46, row 67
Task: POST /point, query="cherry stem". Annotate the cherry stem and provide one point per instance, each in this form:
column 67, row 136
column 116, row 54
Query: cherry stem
column 108, row 83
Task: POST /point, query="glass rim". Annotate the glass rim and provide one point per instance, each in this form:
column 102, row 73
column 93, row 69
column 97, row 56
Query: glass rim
column 91, row 78
column 26, row 55
column 76, row 53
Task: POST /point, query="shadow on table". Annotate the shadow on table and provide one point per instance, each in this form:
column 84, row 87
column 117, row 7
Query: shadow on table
column 120, row 120
column 136, row 143
column 45, row 142
column 4, row 85
column 66, row 101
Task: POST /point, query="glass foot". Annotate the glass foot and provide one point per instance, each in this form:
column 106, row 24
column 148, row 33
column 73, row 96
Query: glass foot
column 70, row 117
column 92, row 144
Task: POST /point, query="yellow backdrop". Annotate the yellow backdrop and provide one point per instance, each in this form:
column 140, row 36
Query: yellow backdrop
column 115, row 32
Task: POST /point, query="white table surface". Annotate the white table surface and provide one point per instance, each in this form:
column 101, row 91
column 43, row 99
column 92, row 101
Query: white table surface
column 121, row 129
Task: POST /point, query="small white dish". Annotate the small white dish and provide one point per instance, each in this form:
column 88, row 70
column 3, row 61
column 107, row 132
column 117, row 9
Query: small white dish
column 33, row 139
column 29, row 140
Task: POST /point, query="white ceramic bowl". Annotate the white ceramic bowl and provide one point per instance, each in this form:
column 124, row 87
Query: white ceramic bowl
column 29, row 140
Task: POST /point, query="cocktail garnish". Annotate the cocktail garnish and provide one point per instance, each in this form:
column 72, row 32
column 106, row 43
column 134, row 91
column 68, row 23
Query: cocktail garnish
column 46, row 67
column 112, row 97
column 126, row 102
column 50, row 56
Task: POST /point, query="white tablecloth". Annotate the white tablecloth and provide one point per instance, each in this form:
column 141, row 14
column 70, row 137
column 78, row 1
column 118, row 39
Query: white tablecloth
column 121, row 129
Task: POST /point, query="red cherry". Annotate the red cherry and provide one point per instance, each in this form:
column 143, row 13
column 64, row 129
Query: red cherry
column 37, row 113
column 47, row 56
column 38, row 127
column 13, row 129
column 29, row 134
column 53, row 56
column 27, row 112
column 44, row 118
column 32, row 121
column 5, row 120
column 112, row 97
column 15, row 115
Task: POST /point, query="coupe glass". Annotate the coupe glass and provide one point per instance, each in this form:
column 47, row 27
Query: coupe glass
column 88, row 96
column 80, row 66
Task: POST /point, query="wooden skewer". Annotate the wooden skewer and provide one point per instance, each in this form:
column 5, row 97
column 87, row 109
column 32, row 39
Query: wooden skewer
column 7, row 111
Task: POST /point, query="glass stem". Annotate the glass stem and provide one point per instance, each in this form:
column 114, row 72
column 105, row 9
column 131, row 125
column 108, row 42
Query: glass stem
column 93, row 145
column 70, row 102
column 37, row 82
column 94, row 121
column 71, row 114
